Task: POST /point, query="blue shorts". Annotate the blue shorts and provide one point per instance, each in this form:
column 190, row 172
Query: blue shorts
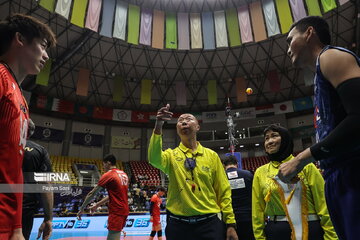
column 342, row 192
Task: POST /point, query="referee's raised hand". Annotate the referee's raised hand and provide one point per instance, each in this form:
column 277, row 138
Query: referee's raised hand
column 163, row 114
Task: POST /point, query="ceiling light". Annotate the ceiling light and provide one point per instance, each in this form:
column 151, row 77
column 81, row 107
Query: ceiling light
column 256, row 144
column 241, row 146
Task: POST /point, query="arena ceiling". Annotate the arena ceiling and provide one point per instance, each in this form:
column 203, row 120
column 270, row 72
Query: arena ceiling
column 105, row 57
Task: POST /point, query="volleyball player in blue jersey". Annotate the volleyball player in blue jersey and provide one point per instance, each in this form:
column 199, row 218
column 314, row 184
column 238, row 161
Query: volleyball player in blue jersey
column 336, row 118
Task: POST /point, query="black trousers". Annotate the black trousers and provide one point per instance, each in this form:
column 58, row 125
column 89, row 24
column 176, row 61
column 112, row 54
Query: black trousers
column 209, row 229
column 282, row 231
column 27, row 221
column 244, row 230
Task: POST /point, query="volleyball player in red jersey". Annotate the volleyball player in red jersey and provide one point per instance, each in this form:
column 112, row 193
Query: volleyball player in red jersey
column 155, row 203
column 116, row 183
column 23, row 44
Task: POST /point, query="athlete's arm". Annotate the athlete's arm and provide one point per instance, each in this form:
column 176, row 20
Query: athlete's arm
column 151, row 208
column 343, row 72
column 88, row 198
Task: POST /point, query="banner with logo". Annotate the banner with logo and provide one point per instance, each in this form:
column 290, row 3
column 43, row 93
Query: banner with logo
column 125, row 142
column 121, row 115
column 136, row 225
column 244, row 113
column 217, row 116
column 48, row 134
column 87, row 139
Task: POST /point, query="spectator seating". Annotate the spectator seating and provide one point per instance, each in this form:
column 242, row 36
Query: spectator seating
column 145, row 174
column 252, row 163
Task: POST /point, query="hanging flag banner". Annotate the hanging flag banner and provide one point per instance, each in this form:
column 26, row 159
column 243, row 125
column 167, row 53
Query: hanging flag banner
column 181, row 93
column 78, row 13
column 270, row 18
column 48, row 134
column 108, row 18
column 208, row 30
column 63, row 8
column 43, row 77
column 121, row 115
column 220, row 29
column 298, row 9
column 313, row 8
column 328, row 5
column 118, row 89
column 146, row 87
column 133, row 24
column 183, row 31
column 284, row 14
column 257, row 21
column 233, row 27
column 212, row 92
column 171, row 31
column 241, row 95
column 83, row 82
column 145, row 28
column 195, row 27
column 87, row 139
column 93, row 15
column 245, row 24
column 274, row 81
column 120, row 20
column 158, row 29
column 48, row 5
column 125, row 142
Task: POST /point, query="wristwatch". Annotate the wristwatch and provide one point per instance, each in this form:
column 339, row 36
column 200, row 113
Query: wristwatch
column 231, row 225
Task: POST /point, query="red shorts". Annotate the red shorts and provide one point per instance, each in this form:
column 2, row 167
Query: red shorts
column 116, row 222
column 156, row 220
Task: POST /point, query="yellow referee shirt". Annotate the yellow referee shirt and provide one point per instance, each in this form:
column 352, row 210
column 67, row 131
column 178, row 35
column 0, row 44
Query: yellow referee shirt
column 206, row 190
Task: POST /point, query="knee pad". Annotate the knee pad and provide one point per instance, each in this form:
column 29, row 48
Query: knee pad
column 159, row 233
column 153, row 233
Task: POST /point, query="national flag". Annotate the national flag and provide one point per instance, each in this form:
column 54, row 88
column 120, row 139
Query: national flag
column 63, row 106
column 264, row 111
column 137, row 116
column 302, row 104
column 121, row 115
column 83, row 110
column 103, row 113
column 44, row 102
column 283, row 107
